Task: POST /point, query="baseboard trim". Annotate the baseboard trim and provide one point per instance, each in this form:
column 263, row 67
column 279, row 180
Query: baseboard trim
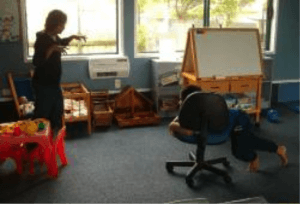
column 142, row 90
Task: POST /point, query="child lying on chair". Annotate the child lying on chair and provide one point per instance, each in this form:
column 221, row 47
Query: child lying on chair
column 243, row 141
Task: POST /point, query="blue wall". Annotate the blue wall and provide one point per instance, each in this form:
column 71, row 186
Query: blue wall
column 286, row 64
column 287, row 58
column 11, row 59
column 11, row 54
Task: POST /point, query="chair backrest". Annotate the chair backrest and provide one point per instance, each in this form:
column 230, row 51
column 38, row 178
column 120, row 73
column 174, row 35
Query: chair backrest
column 201, row 105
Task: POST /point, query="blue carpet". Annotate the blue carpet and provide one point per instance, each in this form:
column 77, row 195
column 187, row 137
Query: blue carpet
column 128, row 166
column 292, row 106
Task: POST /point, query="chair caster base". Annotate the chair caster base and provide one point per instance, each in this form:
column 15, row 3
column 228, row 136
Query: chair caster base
column 227, row 179
column 190, row 182
column 169, row 168
column 226, row 163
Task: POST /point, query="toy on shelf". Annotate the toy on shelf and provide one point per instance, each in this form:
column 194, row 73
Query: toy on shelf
column 133, row 109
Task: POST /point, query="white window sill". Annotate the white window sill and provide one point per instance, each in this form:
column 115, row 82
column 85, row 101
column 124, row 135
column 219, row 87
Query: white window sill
column 81, row 58
column 179, row 56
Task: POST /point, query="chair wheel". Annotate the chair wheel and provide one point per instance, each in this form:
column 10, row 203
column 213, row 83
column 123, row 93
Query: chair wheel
column 227, row 179
column 227, row 163
column 189, row 182
column 169, row 167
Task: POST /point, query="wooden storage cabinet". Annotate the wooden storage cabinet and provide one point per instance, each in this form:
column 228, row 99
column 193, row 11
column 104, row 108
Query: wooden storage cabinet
column 102, row 109
column 242, row 86
column 102, row 114
column 233, row 86
column 134, row 109
column 215, row 86
column 76, row 104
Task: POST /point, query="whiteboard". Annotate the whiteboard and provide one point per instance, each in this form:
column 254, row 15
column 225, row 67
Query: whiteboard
column 223, row 53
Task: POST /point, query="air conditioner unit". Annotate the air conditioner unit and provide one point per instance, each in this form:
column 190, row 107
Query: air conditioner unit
column 116, row 67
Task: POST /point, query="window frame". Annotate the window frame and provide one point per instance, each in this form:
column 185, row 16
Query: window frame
column 79, row 57
column 206, row 22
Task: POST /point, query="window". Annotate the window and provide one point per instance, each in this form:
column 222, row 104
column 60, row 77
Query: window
column 159, row 19
column 97, row 20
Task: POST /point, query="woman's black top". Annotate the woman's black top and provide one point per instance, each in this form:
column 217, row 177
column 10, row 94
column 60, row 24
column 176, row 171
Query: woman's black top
column 48, row 71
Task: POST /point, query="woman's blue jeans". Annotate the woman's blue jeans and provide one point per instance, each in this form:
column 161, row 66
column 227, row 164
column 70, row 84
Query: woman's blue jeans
column 244, row 142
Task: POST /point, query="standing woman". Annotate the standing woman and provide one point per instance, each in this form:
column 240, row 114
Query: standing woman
column 47, row 61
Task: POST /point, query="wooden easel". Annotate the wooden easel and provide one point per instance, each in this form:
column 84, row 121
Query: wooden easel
column 233, row 83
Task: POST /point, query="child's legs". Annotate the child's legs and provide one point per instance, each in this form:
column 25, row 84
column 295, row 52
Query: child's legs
column 261, row 144
column 248, row 139
column 245, row 142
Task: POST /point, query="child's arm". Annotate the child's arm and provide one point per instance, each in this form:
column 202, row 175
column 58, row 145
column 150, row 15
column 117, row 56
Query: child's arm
column 175, row 127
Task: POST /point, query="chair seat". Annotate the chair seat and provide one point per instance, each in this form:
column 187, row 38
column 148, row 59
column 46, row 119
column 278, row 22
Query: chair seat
column 216, row 138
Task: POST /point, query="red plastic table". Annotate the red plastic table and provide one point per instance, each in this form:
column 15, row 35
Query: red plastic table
column 45, row 144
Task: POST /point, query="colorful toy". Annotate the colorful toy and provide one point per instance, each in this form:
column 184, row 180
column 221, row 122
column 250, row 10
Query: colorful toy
column 17, row 131
column 41, row 126
column 23, row 126
column 31, row 128
column 273, row 116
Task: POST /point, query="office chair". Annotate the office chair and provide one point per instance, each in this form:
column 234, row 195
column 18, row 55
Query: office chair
column 212, row 139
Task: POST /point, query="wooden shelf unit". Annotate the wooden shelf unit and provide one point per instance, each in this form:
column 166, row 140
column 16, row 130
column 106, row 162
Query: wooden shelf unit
column 133, row 109
column 77, row 92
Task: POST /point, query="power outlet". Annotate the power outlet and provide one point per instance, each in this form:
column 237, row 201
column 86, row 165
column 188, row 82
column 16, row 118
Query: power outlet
column 117, row 83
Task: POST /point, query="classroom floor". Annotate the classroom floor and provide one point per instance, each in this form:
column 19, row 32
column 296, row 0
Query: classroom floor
column 128, row 166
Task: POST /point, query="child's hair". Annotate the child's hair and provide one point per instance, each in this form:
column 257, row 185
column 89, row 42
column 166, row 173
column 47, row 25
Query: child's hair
column 55, row 18
column 189, row 90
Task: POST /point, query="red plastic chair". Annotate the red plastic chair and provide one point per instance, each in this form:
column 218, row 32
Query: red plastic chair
column 57, row 147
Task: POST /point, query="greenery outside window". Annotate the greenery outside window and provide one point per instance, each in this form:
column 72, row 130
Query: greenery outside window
column 97, row 20
column 156, row 19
